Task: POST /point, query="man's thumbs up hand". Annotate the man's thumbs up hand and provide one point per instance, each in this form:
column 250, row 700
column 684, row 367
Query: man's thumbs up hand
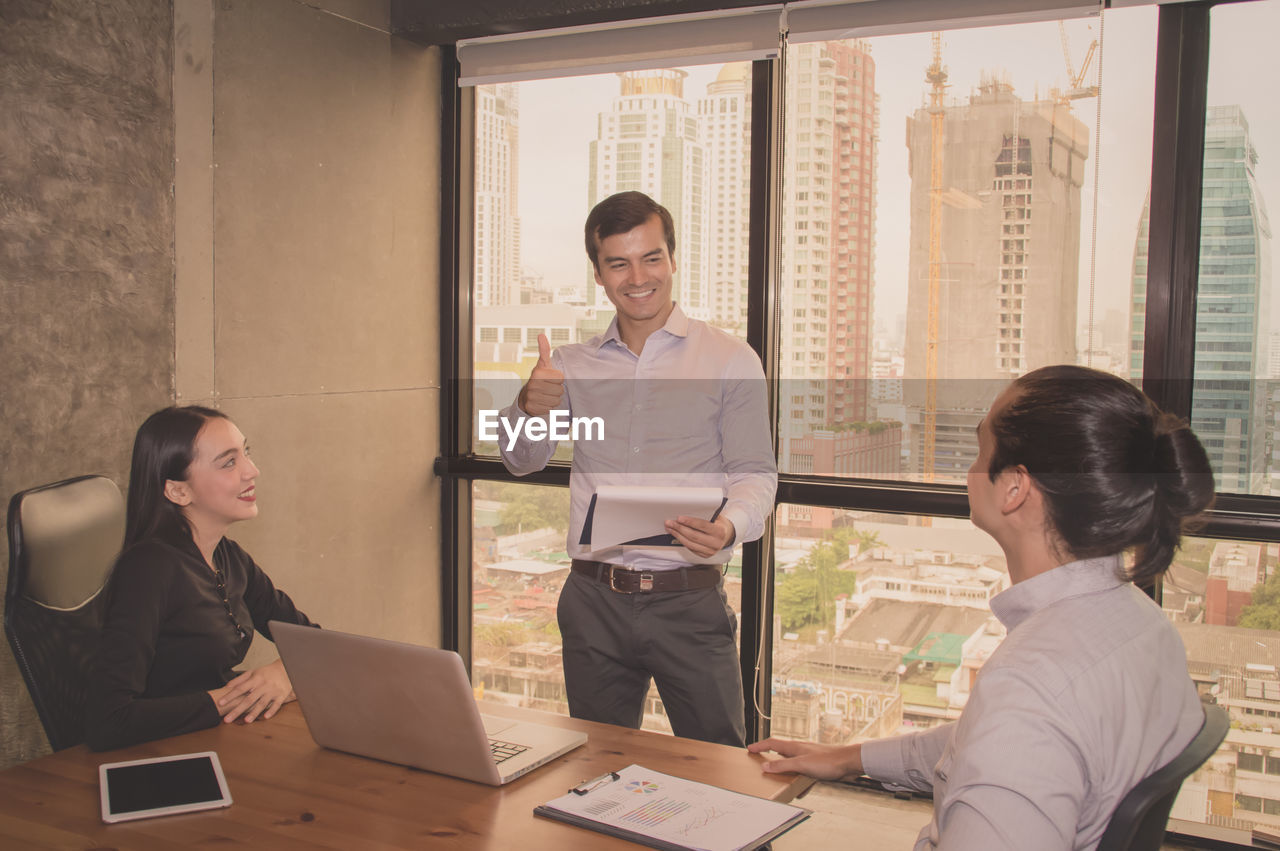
column 545, row 388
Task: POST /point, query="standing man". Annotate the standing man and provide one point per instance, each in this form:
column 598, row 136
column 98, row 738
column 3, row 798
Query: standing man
column 683, row 404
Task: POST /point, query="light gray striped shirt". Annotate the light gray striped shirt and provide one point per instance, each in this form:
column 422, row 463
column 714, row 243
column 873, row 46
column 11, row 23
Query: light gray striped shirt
column 690, row 410
column 1087, row 695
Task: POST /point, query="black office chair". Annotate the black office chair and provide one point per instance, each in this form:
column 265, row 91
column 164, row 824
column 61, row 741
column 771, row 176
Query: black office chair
column 1139, row 821
column 63, row 540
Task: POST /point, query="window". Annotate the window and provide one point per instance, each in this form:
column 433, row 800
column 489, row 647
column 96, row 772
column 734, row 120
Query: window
column 872, row 642
column 561, row 162
column 882, row 367
column 1060, row 273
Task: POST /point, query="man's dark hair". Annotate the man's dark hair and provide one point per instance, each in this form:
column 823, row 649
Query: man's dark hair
column 1116, row 472
column 623, row 212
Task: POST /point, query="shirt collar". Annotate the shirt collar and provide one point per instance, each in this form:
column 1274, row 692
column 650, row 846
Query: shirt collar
column 1019, row 602
column 677, row 325
column 181, row 540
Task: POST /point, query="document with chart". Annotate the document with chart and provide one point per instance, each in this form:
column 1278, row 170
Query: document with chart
column 662, row 811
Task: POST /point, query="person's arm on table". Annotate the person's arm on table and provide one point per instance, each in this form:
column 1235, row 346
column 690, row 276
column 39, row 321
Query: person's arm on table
column 900, row 762
column 260, row 692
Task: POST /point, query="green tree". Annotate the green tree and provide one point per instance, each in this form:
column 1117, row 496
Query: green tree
column 525, row 508
column 808, row 594
column 868, row 540
column 1264, row 611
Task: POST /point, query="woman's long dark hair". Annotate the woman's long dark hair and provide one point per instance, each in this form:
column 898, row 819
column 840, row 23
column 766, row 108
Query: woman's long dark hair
column 163, row 449
column 1116, row 472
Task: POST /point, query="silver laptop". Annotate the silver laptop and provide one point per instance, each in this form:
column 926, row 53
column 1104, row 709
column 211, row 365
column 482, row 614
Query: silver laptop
column 409, row 705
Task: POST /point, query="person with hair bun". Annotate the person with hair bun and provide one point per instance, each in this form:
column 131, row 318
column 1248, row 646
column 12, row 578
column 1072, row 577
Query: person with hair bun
column 183, row 600
column 1089, row 692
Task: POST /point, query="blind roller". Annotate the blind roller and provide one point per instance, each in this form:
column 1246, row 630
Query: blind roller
column 734, row 35
column 629, row 46
column 809, row 22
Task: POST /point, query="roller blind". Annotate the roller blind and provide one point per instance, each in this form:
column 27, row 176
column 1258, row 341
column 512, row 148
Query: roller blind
column 809, row 22
column 733, row 35
column 668, row 42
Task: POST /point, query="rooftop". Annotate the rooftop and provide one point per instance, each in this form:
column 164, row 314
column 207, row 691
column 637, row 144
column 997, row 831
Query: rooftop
column 905, row 624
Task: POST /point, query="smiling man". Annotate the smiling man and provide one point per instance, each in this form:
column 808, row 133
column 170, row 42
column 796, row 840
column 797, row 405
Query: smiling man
column 683, row 404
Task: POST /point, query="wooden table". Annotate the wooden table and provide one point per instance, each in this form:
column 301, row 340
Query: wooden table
column 290, row 793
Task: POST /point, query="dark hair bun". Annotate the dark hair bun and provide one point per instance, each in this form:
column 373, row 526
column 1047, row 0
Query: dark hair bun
column 1115, row 471
column 1182, row 469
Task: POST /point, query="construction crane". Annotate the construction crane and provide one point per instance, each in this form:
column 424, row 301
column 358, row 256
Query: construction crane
column 1076, row 88
column 936, row 76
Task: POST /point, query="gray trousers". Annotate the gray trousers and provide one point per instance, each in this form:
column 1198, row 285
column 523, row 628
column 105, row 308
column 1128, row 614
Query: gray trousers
column 614, row 643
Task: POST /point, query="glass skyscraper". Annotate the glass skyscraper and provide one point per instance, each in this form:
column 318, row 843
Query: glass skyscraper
column 1232, row 306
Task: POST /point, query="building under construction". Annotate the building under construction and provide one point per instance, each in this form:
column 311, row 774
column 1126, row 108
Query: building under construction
column 1003, row 243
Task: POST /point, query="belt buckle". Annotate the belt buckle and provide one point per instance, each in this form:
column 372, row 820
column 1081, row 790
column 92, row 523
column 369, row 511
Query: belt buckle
column 646, row 581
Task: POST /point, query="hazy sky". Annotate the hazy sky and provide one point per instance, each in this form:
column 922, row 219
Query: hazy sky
column 558, row 121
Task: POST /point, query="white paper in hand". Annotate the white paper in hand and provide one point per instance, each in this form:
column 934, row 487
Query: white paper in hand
column 636, row 515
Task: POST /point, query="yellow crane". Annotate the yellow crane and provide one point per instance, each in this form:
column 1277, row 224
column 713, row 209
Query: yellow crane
column 936, row 76
column 1076, row 88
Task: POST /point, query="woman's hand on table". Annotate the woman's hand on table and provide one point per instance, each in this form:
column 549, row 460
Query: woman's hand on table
column 254, row 694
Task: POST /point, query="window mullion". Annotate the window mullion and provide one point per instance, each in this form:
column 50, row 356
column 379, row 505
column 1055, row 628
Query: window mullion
column 1177, row 157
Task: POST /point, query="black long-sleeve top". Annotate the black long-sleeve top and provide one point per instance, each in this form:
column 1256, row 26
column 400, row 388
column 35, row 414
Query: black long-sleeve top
column 168, row 638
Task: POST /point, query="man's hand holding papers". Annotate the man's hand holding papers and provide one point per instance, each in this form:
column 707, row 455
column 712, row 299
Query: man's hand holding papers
column 702, row 537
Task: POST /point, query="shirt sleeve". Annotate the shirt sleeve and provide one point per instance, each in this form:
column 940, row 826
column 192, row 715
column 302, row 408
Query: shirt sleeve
column 116, row 713
column 1015, row 778
column 747, row 449
column 523, row 456
column 907, row 762
column 265, row 602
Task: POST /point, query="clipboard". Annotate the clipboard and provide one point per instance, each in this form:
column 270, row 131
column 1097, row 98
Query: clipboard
column 628, row 516
column 662, row 811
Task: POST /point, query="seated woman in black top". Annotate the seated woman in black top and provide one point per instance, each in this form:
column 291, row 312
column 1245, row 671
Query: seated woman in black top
column 183, row 601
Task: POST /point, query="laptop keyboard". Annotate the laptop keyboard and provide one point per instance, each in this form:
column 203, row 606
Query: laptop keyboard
column 503, row 751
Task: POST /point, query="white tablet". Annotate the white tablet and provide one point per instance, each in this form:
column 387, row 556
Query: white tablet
column 142, row 788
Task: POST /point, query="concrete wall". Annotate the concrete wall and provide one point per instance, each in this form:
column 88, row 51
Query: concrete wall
column 233, row 203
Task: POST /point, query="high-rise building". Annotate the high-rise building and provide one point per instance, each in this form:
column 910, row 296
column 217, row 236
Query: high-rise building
column 497, row 222
column 650, row 141
column 828, row 218
column 1232, row 306
column 725, row 116
column 1007, row 242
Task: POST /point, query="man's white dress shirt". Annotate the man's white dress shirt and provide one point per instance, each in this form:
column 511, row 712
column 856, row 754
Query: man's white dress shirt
column 690, row 410
column 1087, row 695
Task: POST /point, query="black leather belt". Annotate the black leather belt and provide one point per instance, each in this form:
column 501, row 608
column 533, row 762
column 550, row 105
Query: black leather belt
column 625, row 580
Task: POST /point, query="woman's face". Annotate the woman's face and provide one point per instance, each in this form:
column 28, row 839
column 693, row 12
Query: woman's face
column 219, row 488
column 983, row 507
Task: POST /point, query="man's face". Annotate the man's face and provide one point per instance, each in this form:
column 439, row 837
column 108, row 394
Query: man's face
column 635, row 269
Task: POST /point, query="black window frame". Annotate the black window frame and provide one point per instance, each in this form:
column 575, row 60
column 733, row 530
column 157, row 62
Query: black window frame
column 1182, row 59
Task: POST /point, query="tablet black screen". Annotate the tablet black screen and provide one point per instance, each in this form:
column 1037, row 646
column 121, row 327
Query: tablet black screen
column 131, row 788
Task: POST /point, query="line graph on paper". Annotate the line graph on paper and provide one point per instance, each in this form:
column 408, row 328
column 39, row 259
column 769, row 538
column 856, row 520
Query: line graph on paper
column 654, row 812
column 701, row 822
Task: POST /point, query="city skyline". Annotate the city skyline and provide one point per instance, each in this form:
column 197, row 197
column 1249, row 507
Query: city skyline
column 554, row 138
column 854, row 233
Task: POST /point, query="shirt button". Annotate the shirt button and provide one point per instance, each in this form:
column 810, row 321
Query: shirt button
column 636, row 449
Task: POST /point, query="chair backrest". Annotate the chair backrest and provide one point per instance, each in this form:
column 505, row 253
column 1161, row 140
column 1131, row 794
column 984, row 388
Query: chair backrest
column 1139, row 821
column 63, row 541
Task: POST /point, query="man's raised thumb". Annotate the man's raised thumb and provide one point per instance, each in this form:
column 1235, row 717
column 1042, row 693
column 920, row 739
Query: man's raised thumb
column 544, row 351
